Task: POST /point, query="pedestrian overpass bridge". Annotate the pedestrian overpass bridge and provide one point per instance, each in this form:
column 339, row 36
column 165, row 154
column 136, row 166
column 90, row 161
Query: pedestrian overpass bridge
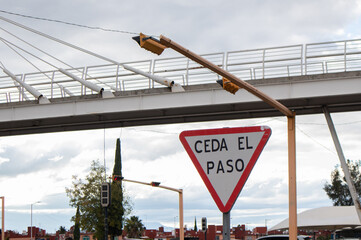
column 302, row 77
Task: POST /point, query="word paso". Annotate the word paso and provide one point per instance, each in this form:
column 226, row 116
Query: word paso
column 212, row 145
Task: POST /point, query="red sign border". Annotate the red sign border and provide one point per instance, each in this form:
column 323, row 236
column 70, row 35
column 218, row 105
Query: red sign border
column 218, row 131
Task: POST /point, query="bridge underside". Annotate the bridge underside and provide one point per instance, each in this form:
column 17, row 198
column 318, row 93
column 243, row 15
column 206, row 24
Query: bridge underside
column 340, row 92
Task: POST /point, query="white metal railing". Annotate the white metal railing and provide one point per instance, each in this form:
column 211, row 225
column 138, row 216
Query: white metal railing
column 265, row 63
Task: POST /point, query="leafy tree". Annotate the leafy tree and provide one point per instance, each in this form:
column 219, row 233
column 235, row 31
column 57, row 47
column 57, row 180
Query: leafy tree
column 134, row 227
column 338, row 190
column 76, row 233
column 86, row 196
column 62, row 230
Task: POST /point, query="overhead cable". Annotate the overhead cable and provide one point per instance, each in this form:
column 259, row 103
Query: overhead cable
column 69, row 23
column 58, row 40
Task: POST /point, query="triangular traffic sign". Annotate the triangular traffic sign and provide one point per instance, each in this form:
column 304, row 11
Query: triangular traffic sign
column 224, row 158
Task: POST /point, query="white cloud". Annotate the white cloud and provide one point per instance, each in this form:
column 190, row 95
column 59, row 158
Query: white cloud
column 4, row 160
column 56, row 158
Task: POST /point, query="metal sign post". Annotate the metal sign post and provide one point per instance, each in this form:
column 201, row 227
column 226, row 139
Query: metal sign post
column 227, row 225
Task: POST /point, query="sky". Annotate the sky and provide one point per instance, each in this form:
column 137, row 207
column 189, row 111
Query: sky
column 39, row 167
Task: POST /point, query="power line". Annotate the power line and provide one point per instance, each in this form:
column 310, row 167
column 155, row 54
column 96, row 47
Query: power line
column 309, row 136
column 70, row 23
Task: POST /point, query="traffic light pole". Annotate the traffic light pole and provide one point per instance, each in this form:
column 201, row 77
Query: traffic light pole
column 105, row 201
column 291, row 123
column 106, row 228
column 179, row 191
column 204, row 227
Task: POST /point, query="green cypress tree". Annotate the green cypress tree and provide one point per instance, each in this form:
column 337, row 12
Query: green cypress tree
column 116, row 209
column 117, row 170
column 76, row 233
column 195, row 224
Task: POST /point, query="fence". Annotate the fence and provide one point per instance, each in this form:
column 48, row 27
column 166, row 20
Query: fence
column 286, row 61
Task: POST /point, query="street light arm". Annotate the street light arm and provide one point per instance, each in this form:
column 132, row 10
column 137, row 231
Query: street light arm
column 204, row 62
column 171, row 189
column 150, row 184
column 133, row 181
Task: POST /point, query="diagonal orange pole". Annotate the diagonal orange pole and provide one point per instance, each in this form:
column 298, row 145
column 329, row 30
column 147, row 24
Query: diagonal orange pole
column 204, row 62
column 272, row 102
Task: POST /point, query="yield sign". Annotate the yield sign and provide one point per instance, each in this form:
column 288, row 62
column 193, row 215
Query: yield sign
column 224, row 158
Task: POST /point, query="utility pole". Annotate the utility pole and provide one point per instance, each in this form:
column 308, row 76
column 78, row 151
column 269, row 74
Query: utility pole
column 2, row 218
column 105, row 202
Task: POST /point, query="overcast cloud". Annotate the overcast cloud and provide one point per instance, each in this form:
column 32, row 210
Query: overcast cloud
column 39, row 167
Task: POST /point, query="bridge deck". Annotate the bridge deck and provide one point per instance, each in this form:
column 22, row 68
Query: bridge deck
column 206, row 102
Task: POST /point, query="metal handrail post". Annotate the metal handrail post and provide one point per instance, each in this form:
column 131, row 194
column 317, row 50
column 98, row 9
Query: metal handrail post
column 263, row 62
column 345, row 55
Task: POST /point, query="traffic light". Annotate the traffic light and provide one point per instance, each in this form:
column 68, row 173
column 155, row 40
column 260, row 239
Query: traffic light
column 105, row 194
column 149, row 43
column 155, row 184
column 117, row 178
column 204, row 224
column 228, row 85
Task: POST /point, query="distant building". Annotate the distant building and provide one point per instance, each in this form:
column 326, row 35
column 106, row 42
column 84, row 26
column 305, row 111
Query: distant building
column 241, row 233
column 214, row 232
column 35, row 232
column 259, row 231
column 40, row 234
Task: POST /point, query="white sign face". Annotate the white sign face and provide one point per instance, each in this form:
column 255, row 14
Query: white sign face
column 224, row 158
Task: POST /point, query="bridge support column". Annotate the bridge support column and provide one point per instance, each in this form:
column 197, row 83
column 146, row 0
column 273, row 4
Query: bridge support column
column 346, row 171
